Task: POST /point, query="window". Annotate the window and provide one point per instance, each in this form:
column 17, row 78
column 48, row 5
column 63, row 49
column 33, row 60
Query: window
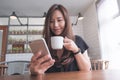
column 109, row 25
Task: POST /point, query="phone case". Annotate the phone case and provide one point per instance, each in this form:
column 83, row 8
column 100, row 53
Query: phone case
column 39, row 45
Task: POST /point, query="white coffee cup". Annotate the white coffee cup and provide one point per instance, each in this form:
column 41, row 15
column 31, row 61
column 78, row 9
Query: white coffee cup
column 57, row 42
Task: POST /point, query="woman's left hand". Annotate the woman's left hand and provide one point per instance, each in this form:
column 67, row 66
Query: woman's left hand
column 70, row 45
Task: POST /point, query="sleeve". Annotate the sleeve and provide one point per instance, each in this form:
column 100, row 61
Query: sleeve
column 81, row 43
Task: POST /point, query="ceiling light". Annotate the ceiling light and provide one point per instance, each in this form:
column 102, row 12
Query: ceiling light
column 44, row 15
column 13, row 16
column 80, row 17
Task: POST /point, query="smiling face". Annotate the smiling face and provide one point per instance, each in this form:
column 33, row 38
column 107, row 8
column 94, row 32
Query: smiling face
column 57, row 23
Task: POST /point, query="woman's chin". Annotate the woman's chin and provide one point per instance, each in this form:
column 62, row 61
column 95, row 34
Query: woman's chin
column 57, row 34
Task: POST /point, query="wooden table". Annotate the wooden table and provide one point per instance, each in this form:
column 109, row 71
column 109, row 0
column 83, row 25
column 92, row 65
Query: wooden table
column 93, row 75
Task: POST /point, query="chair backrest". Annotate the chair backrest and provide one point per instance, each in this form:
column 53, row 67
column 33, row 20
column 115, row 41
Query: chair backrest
column 3, row 69
column 17, row 67
column 99, row 64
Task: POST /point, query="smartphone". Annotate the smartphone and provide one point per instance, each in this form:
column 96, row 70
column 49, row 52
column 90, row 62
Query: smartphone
column 39, row 45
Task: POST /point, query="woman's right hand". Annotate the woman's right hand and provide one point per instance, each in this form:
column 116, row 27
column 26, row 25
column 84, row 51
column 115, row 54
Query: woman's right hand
column 39, row 65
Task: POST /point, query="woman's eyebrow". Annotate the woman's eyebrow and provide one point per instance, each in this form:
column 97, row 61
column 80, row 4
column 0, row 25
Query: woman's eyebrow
column 60, row 17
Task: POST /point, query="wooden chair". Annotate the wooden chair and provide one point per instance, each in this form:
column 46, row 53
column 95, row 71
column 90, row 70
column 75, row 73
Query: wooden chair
column 3, row 69
column 99, row 64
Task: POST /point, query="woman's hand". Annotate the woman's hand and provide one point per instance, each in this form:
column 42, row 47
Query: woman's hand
column 70, row 45
column 39, row 64
column 83, row 61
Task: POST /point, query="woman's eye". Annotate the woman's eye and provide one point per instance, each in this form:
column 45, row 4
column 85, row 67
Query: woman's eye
column 51, row 21
column 60, row 20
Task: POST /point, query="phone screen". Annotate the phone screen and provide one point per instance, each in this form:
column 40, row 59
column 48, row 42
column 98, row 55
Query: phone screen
column 39, row 45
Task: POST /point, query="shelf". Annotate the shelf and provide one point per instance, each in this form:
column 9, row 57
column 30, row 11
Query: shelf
column 25, row 34
column 18, row 52
column 20, row 35
column 17, row 43
column 18, row 40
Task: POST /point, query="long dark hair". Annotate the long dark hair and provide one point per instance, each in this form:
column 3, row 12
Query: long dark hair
column 67, row 30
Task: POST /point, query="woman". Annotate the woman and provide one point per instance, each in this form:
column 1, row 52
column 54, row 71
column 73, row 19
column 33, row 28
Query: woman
column 73, row 57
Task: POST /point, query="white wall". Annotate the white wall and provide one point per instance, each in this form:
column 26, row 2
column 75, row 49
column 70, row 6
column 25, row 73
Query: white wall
column 91, row 32
column 77, row 29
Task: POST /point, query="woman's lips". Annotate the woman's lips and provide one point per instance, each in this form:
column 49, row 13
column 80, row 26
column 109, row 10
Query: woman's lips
column 57, row 31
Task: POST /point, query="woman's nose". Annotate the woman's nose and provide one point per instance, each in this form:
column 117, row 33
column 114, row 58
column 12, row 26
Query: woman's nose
column 56, row 23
